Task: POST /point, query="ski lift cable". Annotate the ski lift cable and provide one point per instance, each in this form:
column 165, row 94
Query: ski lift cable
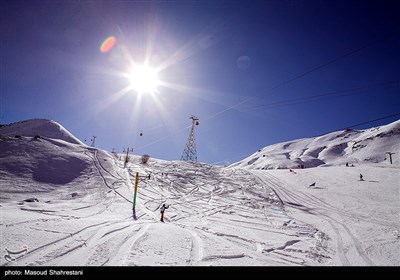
column 291, row 80
column 334, row 94
column 355, row 125
column 390, row 37
column 160, row 139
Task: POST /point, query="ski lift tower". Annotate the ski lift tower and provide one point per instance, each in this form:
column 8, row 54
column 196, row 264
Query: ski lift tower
column 190, row 153
column 93, row 141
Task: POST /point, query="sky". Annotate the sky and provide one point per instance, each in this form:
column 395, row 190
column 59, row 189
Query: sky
column 67, row 204
column 277, row 70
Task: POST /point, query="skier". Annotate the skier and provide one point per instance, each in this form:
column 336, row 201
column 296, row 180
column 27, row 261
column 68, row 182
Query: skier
column 361, row 177
column 162, row 209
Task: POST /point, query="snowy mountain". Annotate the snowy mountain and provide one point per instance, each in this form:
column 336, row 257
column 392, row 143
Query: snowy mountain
column 332, row 149
column 64, row 203
column 39, row 127
column 44, row 155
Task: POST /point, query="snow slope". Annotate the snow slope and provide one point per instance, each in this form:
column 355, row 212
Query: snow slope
column 42, row 127
column 53, row 160
column 336, row 148
column 78, row 211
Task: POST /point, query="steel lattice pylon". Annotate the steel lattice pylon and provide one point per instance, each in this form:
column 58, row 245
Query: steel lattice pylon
column 190, row 153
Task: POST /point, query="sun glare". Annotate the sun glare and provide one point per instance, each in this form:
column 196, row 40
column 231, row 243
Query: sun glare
column 144, row 79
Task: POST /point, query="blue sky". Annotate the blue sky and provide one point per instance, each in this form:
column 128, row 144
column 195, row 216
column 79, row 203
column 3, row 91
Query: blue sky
column 255, row 73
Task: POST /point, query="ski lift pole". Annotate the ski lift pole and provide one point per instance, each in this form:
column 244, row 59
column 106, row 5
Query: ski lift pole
column 134, row 195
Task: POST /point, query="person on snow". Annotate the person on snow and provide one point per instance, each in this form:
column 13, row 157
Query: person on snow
column 162, row 209
column 361, row 177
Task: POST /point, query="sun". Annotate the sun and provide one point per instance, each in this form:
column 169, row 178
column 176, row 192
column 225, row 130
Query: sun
column 143, row 79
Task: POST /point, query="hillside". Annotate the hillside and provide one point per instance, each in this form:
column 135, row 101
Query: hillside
column 67, row 204
column 41, row 155
column 39, row 127
column 332, row 149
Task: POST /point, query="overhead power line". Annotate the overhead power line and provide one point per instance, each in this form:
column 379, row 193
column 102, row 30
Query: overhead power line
column 386, row 117
column 355, row 125
column 339, row 93
column 327, row 63
column 390, row 37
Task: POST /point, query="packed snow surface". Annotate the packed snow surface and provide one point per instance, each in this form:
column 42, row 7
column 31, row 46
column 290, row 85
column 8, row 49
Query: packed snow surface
column 65, row 203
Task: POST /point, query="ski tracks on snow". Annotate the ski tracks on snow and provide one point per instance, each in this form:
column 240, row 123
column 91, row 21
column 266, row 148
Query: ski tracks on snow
column 309, row 204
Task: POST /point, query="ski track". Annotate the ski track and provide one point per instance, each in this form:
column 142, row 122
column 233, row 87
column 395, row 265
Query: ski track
column 197, row 190
column 312, row 205
column 287, row 196
column 250, row 214
column 100, row 168
column 197, row 248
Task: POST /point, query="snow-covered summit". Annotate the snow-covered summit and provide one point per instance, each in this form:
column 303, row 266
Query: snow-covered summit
column 41, row 127
column 44, row 155
column 335, row 148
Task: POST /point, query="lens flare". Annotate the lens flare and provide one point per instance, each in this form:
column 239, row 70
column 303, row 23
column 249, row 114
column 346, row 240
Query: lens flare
column 108, row 44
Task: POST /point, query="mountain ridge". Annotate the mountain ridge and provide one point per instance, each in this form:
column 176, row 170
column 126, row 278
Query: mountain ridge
column 335, row 148
column 41, row 128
